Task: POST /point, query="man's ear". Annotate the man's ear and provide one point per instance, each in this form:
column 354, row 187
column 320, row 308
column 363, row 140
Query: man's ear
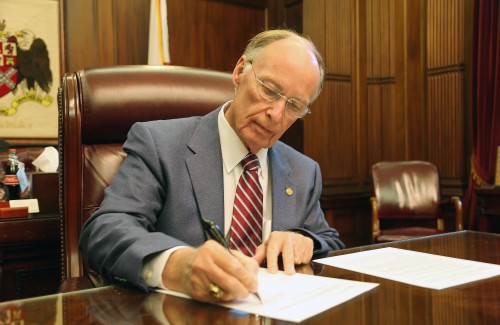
column 238, row 71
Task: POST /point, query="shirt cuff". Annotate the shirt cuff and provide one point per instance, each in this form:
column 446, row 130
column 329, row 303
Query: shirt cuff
column 153, row 269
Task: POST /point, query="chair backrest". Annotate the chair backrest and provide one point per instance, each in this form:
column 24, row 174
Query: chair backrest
column 97, row 107
column 408, row 189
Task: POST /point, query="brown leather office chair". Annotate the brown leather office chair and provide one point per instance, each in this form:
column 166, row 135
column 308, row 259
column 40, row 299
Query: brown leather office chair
column 407, row 201
column 97, row 107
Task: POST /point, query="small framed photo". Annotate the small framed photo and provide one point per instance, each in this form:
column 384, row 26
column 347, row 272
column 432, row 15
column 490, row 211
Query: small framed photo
column 30, row 57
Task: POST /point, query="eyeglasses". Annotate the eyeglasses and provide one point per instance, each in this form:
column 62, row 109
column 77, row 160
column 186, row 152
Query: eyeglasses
column 270, row 93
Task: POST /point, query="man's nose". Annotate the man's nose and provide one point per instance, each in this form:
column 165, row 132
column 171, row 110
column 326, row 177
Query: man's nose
column 277, row 109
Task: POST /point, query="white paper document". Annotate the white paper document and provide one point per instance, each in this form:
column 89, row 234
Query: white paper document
column 415, row 268
column 295, row 298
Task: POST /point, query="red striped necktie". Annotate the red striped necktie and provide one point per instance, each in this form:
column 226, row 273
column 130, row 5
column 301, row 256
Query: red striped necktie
column 246, row 226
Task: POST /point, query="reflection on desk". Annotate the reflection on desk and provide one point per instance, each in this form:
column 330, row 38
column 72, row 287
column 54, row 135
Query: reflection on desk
column 390, row 303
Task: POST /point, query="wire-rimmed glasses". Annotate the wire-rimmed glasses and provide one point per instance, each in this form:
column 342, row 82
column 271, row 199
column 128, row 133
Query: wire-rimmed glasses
column 269, row 92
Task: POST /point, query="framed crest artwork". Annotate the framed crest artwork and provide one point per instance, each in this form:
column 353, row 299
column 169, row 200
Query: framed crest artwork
column 30, row 63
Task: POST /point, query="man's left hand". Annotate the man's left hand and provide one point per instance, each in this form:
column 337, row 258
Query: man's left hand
column 294, row 248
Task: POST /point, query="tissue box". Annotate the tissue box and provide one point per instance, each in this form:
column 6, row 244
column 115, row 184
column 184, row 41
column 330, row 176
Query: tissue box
column 45, row 188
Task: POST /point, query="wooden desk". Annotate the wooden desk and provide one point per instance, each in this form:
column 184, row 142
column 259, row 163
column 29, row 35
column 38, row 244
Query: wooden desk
column 488, row 204
column 30, row 256
column 390, row 303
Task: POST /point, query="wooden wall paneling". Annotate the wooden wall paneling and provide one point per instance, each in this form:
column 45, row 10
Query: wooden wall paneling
column 415, row 90
column 445, row 73
column 361, row 93
column 62, row 40
column 293, row 14
column 374, row 111
column 347, row 141
column 212, row 34
column 468, row 31
column 398, row 62
column 107, row 30
column 285, row 13
column 385, row 76
column 374, row 125
column 131, row 30
column 340, row 113
column 81, row 27
column 377, row 112
column 314, row 24
column 317, row 137
column 386, row 80
column 316, row 123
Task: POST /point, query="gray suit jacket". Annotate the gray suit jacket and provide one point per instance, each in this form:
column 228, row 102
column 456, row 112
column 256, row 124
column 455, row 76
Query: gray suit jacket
column 173, row 176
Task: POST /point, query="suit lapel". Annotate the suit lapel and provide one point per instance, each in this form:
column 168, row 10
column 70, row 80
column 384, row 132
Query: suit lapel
column 205, row 169
column 283, row 203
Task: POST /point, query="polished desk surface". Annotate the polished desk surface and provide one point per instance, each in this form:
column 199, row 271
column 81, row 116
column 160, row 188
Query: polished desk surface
column 390, row 303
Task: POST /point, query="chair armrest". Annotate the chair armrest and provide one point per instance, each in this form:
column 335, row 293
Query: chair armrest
column 375, row 221
column 73, row 284
column 88, row 281
column 454, row 203
column 458, row 211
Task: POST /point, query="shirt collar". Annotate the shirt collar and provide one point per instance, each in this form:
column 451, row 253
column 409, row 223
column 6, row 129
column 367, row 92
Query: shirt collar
column 233, row 149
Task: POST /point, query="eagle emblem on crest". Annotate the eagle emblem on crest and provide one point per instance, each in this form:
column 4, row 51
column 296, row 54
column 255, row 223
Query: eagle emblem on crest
column 24, row 68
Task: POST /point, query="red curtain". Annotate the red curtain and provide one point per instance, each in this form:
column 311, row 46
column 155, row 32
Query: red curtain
column 485, row 102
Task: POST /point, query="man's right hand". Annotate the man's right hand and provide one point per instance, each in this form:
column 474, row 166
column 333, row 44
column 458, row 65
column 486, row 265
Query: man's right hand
column 192, row 270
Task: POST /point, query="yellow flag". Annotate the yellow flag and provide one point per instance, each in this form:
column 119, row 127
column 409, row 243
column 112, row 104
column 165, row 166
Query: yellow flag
column 158, row 51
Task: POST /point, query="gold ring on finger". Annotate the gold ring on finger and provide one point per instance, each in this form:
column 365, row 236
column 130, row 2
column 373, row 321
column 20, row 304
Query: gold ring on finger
column 215, row 291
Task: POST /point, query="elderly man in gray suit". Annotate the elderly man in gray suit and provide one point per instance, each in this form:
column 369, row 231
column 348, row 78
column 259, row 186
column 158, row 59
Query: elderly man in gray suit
column 149, row 230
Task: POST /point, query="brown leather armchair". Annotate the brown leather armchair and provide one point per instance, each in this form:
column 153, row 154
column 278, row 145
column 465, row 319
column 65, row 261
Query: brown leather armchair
column 407, row 201
column 97, row 107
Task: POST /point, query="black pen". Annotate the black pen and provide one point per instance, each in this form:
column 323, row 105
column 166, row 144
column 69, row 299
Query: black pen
column 216, row 234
